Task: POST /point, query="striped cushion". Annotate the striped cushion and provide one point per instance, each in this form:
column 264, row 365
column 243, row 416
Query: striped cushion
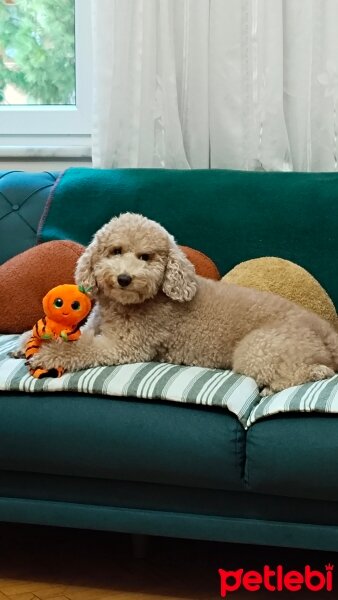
column 162, row 381
column 320, row 396
column 156, row 381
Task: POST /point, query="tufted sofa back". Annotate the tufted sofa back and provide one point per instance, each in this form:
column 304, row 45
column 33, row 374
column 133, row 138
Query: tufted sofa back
column 22, row 199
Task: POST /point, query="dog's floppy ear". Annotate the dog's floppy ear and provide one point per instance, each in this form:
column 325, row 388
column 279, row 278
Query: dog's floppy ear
column 84, row 274
column 179, row 281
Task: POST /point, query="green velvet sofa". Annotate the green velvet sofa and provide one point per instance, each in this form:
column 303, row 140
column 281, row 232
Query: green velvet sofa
column 160, row 468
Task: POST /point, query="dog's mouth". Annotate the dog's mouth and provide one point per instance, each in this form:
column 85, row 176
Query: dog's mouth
column 135, row 292
column 124, row 294
column 127, row 296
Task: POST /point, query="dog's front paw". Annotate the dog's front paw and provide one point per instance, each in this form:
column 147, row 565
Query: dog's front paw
column 16, row 353
column 50, row 356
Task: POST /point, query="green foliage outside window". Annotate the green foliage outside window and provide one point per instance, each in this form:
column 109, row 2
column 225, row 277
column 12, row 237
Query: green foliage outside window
column 37, row 49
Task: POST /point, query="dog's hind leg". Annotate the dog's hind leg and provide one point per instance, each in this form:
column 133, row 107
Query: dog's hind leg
column 303, row 374
column 278, row 359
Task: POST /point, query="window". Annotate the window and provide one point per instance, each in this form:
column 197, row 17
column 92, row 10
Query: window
column 45, row 70
column 34, row 67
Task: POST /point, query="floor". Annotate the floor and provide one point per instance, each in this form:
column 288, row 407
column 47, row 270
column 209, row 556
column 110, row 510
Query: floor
column 40, row 563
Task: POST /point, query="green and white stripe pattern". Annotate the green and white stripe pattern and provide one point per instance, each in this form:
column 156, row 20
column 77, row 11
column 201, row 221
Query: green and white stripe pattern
column 156, row 381
column 162, row 381
column 320, row 396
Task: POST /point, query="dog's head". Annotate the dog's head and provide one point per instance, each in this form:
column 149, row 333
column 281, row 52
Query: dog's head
column 132, row 258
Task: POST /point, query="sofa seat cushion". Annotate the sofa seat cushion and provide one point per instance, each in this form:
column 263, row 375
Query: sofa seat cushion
column 294, row 455
column 99, row 435
column 124, row 439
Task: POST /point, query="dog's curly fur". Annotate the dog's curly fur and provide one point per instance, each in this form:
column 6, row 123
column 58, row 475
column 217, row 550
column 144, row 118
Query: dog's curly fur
column 168, row 313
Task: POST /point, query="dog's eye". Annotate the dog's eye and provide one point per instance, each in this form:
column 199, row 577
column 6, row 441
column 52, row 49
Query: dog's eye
column 116, row 251
column 144, row 257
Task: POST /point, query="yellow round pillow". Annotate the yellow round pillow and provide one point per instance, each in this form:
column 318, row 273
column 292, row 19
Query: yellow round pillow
column 286, row 279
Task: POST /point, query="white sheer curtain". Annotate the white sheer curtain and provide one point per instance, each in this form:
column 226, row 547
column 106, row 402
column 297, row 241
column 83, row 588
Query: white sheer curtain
column 241, row 84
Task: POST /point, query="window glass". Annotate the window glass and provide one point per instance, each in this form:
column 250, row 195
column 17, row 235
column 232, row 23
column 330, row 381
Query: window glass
column 37, row 52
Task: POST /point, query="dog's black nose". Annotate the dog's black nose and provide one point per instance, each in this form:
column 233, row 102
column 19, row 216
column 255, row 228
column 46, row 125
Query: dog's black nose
column 124, row 280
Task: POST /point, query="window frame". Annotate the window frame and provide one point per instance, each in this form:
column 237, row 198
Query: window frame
column 21, row 124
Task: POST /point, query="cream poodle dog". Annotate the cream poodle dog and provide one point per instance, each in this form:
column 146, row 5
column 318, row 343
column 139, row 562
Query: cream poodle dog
column 150, row 305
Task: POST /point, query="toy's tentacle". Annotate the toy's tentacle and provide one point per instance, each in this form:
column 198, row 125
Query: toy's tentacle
column 42, row 330
column 32, row 347
column 73, row 335
column 39, row 328
column 42, row 373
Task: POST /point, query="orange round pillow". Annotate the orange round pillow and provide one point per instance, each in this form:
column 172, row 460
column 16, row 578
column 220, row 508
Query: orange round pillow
column 27, row 277
column 204, row 266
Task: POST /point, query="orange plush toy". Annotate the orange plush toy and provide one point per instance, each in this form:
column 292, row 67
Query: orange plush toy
column 66, row 308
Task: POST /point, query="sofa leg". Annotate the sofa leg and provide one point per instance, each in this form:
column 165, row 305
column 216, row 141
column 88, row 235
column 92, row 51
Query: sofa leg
column 139, row 545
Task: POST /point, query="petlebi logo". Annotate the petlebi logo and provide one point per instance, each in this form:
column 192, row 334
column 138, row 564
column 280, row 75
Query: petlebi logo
column 276, row 580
